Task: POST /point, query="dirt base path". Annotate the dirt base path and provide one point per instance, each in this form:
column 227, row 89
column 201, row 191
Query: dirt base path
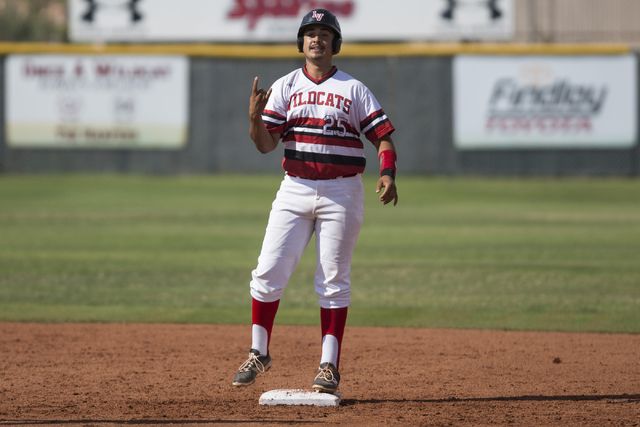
column 146, row 374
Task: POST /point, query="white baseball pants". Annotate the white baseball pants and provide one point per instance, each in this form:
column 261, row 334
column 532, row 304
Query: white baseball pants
column 333, row 209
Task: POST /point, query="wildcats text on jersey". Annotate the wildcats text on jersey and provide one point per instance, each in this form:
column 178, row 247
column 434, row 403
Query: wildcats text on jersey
column 320, row 98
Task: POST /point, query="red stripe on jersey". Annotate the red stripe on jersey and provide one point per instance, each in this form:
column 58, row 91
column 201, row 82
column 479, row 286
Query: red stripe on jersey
column 274, row 129
column 384, row 128
column 319, row 170
column 271, row 117
column 380, row 129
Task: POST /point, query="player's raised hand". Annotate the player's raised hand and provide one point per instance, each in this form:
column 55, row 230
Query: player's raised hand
column 390, row 191
column 258, row 99
column 264, row 140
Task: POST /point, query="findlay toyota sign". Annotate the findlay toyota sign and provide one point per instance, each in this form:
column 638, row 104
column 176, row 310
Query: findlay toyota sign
column 545, row 102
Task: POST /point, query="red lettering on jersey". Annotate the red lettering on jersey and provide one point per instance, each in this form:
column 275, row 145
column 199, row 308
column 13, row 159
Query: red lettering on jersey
column 292, row 102
column 320, row 98
column 347, row 105
column 329, row 100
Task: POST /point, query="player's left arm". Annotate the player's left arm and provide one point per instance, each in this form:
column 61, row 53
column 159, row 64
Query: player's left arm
column 387, row 156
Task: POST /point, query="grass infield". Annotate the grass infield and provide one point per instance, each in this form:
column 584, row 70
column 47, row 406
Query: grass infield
column 486, row 253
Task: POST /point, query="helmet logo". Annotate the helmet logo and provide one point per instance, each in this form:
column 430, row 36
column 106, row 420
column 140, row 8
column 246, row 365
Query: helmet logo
column 318, row 16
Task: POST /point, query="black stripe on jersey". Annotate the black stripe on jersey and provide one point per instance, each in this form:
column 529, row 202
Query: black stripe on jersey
column 273, row 118
column 331, row 159
column 371, row 119
column 290, row 129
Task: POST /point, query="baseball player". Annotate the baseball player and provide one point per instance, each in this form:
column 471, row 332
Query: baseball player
column 319, row 112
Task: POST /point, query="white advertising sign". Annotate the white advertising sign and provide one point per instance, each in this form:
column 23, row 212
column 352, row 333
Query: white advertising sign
column 59, row 101
column 278, row 20
column 545, row 102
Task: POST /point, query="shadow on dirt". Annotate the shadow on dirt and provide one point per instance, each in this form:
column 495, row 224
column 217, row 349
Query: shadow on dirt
column 629, row 398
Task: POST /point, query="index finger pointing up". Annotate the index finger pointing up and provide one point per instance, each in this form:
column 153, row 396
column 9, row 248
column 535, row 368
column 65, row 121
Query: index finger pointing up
column 255, row 85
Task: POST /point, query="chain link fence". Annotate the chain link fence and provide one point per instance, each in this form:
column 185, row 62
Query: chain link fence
column 546, row 21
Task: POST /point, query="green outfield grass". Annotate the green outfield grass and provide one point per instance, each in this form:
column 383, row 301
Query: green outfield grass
column 530, row 254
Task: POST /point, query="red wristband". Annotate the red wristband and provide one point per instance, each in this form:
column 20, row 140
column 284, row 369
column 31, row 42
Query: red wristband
column 388, row 160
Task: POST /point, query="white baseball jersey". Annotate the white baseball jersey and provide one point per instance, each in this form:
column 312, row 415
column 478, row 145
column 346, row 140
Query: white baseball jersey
column 321, row 121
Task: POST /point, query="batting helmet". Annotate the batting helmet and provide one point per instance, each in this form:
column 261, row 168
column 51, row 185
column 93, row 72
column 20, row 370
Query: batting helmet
column 322, row 17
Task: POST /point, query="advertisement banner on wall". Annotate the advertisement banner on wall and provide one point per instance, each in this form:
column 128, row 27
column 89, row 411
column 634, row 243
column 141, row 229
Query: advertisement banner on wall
column 278, row 20
column 545, row 102
column 59, row 101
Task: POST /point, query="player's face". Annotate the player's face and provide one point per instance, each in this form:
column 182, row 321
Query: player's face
column 318, row 41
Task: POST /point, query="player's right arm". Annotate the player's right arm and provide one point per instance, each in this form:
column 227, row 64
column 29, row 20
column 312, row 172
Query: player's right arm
column 264, row 140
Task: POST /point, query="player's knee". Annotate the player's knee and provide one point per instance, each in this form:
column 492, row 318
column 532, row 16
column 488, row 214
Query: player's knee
column 266, row 295
column 265, row 290
column 333, row 300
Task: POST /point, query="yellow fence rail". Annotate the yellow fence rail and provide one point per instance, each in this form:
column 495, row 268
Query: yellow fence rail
column 279, row 51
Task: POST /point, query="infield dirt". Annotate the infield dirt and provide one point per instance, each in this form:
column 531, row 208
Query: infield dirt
column 157, row 374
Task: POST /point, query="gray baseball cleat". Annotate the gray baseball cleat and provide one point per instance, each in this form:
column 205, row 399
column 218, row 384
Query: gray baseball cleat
column 327, row 379
column 250, row 369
